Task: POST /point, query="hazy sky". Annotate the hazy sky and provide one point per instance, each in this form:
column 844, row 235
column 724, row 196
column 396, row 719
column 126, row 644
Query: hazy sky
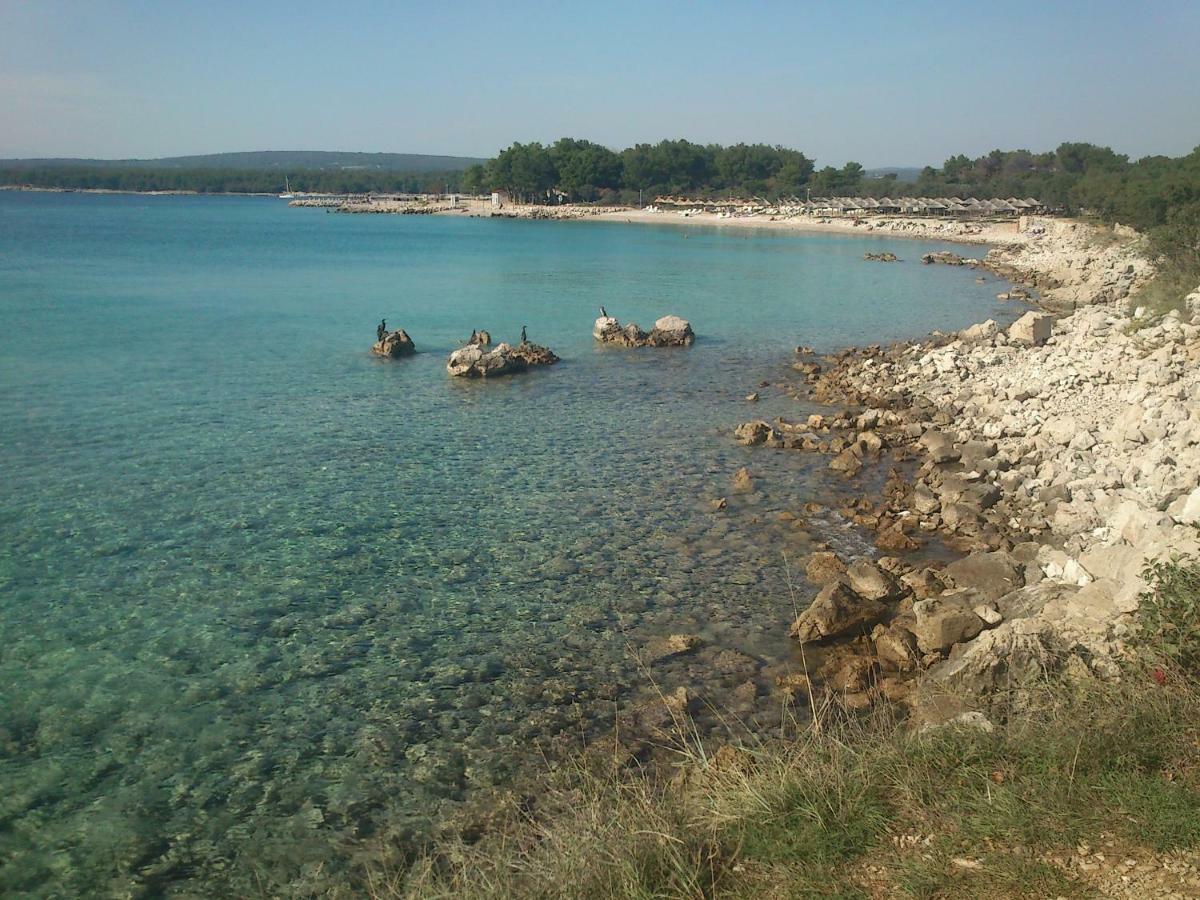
column 882, row 83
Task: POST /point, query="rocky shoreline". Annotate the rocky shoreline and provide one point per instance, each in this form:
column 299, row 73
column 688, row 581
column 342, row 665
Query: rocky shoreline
column 1061, row 456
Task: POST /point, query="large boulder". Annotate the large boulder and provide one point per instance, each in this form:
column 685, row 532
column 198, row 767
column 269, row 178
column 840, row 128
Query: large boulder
column 1014, row 655
column 939, row 447
column 671, row 331
column 848, row 461
column 606, row 328
column 835, row 611
column 868, row 580
column 394, row 345
column 990, row 575
column 1032, row 328
column 946, row 620
column 474, row 361
column 1186, row 509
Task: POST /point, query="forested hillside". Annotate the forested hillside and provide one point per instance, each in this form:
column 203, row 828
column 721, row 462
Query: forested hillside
column 236, row 181
column 274, row 160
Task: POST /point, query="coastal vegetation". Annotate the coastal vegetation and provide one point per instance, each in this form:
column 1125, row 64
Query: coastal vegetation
column 1085, row 784
column 226, row 181
column 582, row 171
column 257, row 172
column 262, row 160
column 1157, row 195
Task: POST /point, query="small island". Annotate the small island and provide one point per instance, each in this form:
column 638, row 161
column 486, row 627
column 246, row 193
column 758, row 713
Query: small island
column 475, row 360
column 393, row 344
column 669, row 331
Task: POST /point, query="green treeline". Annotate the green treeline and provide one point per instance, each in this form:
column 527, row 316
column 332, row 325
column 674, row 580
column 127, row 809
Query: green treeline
column 582, row 171
column 1157, row 195
column 229, row 181
column 1075, row 178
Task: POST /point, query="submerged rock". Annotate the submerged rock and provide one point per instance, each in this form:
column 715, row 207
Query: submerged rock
column 868, row 580
column 671, row 646
column 394, row 345
column 824, row 567
column 751, row 433
column 473, row 361
column 896, row 648
column 991, row 575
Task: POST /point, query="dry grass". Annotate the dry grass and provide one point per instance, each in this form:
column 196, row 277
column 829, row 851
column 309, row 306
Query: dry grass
column 860, row 807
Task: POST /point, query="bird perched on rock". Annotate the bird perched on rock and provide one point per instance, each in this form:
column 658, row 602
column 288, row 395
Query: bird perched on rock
column 524, row 340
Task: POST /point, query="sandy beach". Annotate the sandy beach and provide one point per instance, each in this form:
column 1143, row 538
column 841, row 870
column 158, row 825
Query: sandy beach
column 1010, row 231
column 891, row 226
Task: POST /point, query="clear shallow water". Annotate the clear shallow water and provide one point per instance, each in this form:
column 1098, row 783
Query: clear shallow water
column 263, row 596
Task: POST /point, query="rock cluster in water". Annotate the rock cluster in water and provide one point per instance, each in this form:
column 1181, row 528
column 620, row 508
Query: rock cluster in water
column 886, row 256
column 669, row 331
column 476, row 361
column 394, row 345
column 946, row 258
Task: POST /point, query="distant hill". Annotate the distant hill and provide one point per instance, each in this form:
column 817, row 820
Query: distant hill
column 267, row 160
column 902, row 173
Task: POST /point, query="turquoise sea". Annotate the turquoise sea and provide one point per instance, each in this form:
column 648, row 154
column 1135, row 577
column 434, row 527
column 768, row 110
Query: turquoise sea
column 265, row 599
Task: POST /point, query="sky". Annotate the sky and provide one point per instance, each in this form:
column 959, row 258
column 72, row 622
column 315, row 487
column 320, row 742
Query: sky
column 880, row 83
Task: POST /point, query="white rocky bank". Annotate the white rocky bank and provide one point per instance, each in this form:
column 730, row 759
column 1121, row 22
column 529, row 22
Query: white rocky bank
column 1102, row 420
